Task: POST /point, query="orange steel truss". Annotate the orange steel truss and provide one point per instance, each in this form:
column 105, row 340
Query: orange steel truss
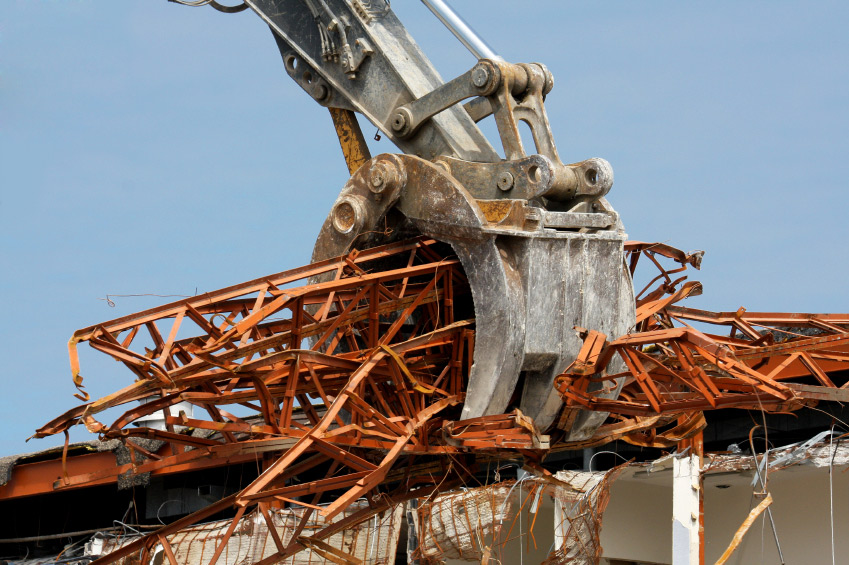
column 353, row 372
column 772, row 361
column 350, row 368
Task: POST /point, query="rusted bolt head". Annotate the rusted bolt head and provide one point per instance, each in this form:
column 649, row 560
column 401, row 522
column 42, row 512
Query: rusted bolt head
column 480, row 75
column 505, row 180
column 383, row 177
column 348, row 214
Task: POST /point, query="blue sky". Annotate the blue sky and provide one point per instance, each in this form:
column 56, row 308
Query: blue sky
column 151, row 148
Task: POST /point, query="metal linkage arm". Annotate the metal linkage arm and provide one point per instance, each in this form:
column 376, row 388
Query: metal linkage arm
column 356, row 55
column 513, row 93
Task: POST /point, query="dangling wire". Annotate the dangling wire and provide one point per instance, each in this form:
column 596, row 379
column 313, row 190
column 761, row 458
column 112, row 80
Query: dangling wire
column 762, row 478
column 220, row 7
column 590, row 466
column 831, row 488
column 521, row 545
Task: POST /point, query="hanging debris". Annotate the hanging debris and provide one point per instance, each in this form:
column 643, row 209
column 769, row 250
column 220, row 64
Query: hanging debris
column 580, row 502
column 463, row 525
column 259, row 536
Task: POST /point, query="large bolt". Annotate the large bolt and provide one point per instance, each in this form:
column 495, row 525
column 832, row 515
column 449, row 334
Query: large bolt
column 384, row 177
column 399, row 122
column 480, row 75
column 348, row 214
column 505, row 180
column 402, row 122
column 319, row 92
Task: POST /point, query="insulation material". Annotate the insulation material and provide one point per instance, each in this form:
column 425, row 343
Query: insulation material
column 373, row 542
column 579, row 504
column 461, row 525
column 819, row 451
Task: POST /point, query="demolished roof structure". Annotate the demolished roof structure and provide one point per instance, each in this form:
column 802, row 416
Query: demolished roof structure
column 467, row 330
column 343, row 440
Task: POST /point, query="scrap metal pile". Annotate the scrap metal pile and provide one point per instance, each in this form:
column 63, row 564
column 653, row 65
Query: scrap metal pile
column 462, row 309
column 354, row 385
column 767, row 361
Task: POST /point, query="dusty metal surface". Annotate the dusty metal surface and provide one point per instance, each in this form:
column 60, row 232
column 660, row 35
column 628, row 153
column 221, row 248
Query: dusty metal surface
column 530, row 284
column 530, row 231
column 357, row 57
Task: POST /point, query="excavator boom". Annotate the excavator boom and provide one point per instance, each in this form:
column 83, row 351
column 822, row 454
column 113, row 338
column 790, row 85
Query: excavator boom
column 541, row 246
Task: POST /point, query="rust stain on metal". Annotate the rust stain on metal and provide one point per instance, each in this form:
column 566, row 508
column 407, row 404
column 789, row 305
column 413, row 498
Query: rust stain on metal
column 351, row 139
column 379, row 342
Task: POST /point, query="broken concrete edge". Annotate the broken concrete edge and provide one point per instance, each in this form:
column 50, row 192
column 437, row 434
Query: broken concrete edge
column 817, row 451
column 116, row 446
column 577, row 493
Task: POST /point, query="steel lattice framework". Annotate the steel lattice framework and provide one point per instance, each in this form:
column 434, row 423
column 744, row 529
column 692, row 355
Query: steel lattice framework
column 344, row 376
column 768, row 360
column 354, row 370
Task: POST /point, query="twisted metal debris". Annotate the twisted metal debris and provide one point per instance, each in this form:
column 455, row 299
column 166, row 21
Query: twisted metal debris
column 378, row 386
column 354, row 384
column 771, row 361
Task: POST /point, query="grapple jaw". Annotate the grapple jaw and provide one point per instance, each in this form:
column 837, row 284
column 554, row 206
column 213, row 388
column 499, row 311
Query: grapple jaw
column 542, row 249
column 534, row 273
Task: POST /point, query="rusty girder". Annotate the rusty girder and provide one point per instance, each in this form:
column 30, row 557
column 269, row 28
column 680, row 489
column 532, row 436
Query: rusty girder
column 347, row 380
column 774, row 361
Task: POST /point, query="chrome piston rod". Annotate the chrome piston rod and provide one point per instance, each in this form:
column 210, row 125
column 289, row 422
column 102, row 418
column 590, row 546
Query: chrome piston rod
column 461, row 30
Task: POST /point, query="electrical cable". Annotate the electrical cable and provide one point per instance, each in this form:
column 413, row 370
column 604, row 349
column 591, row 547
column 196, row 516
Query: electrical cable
column 831, row 490
column 590, row 466
column 220, row 7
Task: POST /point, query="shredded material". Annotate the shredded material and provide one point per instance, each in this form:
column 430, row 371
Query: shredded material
column 373, row 542
column 579, row 506
column 462, row 525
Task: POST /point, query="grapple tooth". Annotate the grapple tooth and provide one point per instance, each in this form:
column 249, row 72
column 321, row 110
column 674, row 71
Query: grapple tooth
column 530, row 285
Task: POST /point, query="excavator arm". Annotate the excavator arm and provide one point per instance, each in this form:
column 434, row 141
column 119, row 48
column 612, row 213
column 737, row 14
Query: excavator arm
column 357, row 56
column 540, row 244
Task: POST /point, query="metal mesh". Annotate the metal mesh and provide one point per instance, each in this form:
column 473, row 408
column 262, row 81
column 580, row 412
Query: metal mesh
column 577, row 517
column 461, row 525
column 373, row 542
